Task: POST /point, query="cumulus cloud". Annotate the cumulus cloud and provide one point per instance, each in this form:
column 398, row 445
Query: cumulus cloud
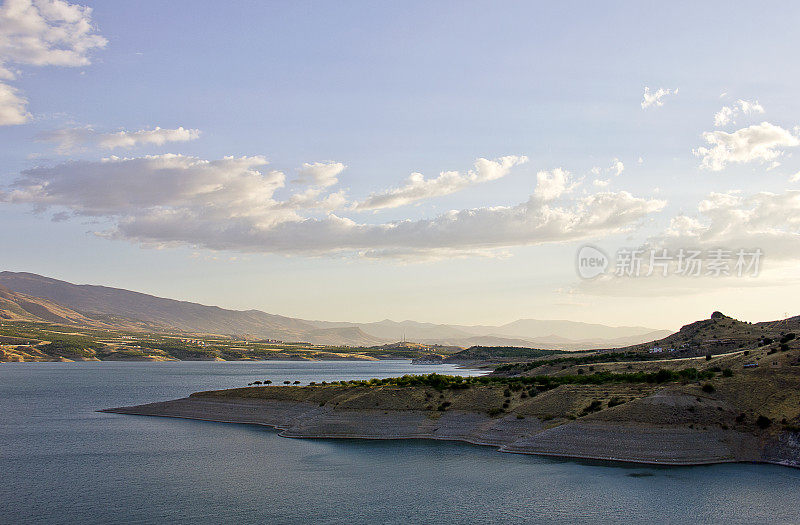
column 757, row 142
column 417, row 187
column 656, row 98
column 73, row 139
column 41, row 33
column 731, row 222
column 117, row 187
column 765, row 220
column 322, row 174
column 551, row 185
column 617, row 167
column 12, row 106
column 727, row 114
column 230, row 204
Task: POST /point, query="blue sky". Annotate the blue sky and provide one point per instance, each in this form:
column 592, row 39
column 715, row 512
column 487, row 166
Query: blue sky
column 367, row 94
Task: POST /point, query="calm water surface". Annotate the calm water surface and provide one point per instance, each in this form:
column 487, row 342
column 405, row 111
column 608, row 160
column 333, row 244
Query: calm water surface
column 62, row 462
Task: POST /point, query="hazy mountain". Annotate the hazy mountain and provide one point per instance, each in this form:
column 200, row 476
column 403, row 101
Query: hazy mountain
column 150, row 312
column 15, row 306
column 558, row 329
column 104, row 306
column 524, row 332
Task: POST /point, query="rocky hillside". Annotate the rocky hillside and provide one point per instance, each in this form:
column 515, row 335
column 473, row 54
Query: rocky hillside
column 719, row 334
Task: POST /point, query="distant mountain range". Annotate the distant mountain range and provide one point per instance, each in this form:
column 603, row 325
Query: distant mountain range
column 27, row 296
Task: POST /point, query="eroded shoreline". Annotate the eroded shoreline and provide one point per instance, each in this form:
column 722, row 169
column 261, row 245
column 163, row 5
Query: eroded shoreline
column 593, row 440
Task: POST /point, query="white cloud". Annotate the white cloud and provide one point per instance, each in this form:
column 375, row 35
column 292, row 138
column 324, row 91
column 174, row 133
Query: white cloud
column 417, row 187
column 321, row 174
column 42, row 33
column 750, row 107
column 728, row 221
column 757, row 142
column 727, row 114
column 72, row 139
column 117, row 187
column 795, row 177
column 12, row 106
column 551, row 185
column 656, row 98
column 617, row 167
column 765, row 220
column 723, row 116
column 230, row 204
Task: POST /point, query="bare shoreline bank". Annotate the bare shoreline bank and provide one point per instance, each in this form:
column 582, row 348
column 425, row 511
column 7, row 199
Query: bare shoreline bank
column 627, row 443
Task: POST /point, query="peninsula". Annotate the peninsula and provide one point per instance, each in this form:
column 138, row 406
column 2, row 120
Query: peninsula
column 722, row 391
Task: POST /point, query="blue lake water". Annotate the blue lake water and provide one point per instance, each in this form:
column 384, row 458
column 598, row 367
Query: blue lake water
column 62, row 462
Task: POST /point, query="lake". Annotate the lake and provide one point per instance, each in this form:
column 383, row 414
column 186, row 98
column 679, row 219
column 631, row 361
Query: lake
column 63, row 462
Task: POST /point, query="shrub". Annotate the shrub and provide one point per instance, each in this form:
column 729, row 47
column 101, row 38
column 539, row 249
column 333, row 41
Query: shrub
column 708, row 357
column 614, row 401
column 727, row 373
column 287, row 382
column 708, row 388
column 494, row 412
column 593, row 407
column 763, row 422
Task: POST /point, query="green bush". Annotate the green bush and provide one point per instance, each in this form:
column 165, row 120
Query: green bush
column 763, row 422
column 709, row 388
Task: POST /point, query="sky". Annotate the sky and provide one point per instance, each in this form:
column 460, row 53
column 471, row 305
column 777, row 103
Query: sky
column 437, row 161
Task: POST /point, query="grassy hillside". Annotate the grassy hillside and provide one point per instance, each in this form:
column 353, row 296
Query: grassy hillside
column 723, row 392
